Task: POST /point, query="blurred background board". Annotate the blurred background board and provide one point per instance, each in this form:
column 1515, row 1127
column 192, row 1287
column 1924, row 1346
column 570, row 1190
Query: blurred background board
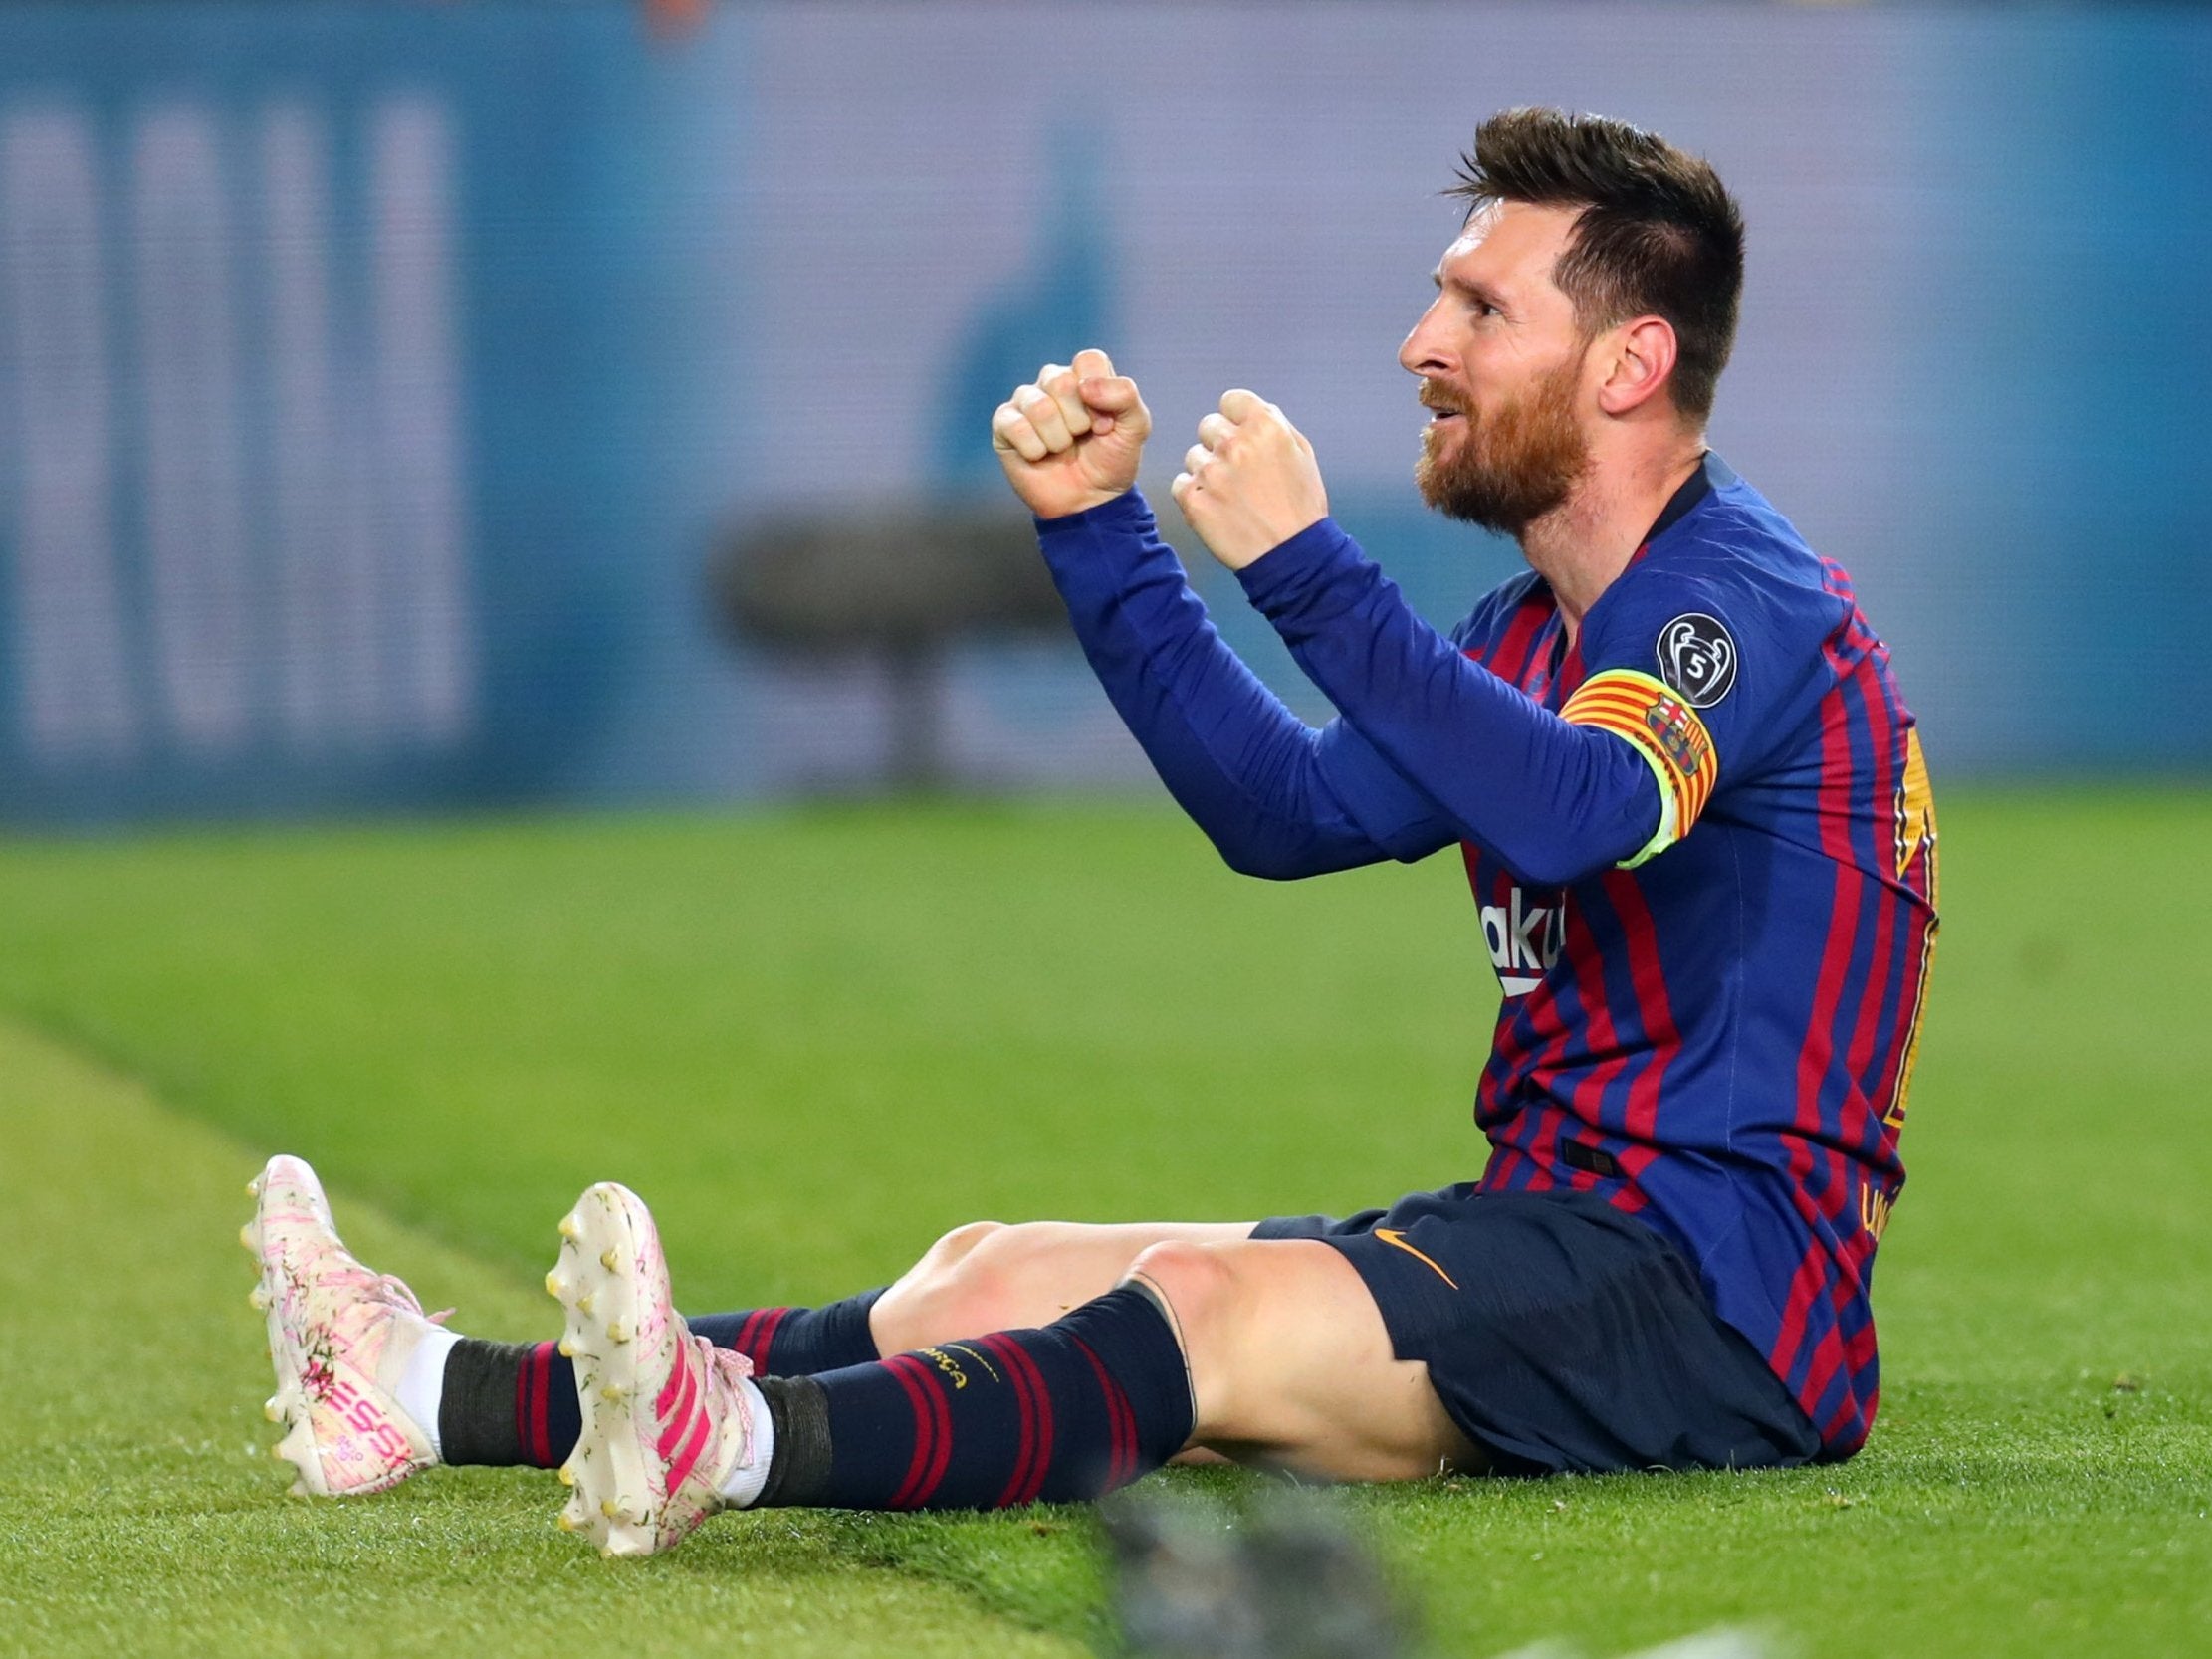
column 380, row 382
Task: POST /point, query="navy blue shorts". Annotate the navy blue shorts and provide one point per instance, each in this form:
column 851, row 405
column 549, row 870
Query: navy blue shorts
column 1562, row 1334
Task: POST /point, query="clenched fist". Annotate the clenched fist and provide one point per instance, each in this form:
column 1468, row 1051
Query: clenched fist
column 1072, row 437
column 1250, row 482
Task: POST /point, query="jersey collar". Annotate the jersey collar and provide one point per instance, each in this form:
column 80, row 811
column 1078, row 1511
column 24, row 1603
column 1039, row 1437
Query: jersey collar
column 1711, row 473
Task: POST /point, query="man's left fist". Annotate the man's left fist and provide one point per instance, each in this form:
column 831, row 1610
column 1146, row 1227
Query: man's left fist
column 1250, row 482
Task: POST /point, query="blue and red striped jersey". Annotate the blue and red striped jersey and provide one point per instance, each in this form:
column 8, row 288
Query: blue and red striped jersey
column 1702, row 850
column 1720, row 1036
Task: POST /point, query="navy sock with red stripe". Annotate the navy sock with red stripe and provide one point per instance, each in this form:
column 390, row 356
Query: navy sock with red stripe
column 507, row 1403
column 796, row 1341
column 1071, row 1411
column 515, row 1404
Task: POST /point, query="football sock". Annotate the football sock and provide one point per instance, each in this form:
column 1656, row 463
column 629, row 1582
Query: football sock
column 515, row 1402
column 796, row 1341
column 742, row 1486
column 507, row 1403
column 1071, row 1411
column 422, row 1383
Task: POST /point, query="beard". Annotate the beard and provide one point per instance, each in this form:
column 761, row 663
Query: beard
column 1507, row 471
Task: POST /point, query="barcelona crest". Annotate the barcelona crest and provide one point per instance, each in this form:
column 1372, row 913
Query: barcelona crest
column 1680, row 735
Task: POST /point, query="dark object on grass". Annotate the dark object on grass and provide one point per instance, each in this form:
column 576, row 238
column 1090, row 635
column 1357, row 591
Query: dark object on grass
column 898, row 587
column 1284, row 1580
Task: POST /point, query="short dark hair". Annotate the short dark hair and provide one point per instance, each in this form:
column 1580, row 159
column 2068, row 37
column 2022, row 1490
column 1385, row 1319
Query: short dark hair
column 1658, row 233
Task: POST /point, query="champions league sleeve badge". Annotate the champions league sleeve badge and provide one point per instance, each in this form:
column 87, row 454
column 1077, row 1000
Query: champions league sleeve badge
column 1697, row 657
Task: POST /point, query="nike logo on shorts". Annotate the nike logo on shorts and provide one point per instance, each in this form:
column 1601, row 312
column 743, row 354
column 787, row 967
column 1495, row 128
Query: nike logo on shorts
column 1397, row 1241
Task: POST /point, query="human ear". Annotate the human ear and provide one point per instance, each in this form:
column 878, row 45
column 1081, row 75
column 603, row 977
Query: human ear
column 1642, row 360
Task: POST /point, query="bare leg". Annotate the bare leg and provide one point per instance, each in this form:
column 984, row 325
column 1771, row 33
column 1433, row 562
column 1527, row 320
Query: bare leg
column 988, row 1276
column 1290, row 1364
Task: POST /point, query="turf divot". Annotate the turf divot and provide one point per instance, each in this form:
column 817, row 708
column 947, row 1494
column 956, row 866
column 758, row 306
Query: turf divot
column 140, row 1513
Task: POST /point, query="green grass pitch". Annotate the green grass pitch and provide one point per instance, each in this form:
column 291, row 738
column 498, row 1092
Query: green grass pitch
column 814, row 1040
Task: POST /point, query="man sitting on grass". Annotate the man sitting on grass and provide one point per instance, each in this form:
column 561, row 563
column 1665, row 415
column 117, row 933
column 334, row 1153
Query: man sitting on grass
column 1702, row 845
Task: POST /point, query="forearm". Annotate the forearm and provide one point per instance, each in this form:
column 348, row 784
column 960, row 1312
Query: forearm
column 1554, row 800
column 1250, row 773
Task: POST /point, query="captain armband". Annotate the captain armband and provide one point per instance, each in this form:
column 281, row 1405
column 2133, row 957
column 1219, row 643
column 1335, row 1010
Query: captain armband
column 1669, row 735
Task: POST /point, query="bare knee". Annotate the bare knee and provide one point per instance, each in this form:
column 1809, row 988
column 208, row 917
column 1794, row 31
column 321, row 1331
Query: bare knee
column 953, row 1290
column 1290, row 1364
column 1198, row 1285
column 956, row 1246
column 1193, row 1279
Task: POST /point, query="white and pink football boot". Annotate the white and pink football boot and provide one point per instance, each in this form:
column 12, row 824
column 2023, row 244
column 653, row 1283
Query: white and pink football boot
column 339, row 1336
column 672, row 1424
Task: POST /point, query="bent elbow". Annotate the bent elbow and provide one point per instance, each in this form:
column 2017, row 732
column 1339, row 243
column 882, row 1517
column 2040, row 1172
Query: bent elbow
column 1550, row 872
column 1267, row 863
column 1585, row 841
column 1560, row 863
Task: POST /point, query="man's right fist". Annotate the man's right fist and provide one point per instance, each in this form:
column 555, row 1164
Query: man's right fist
column 1072, row 437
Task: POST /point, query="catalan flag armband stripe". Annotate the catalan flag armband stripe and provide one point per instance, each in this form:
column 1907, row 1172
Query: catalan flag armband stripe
column 1669, row 735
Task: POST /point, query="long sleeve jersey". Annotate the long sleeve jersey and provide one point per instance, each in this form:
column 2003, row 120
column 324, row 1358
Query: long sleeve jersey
column 1701, row 846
